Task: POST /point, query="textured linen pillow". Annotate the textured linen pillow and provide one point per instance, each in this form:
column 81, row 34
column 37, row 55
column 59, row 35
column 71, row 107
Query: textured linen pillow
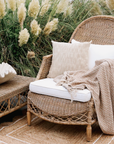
column 7, row 72
column 97, row 52
column 69, row 57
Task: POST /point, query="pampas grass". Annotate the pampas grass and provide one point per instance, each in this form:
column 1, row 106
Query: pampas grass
column 45, row 7
column 2, row 9
column 21, row 14
column 27, row 28
column 30, row 55
column 110, row 4
column 35, row 28
column 51, row 26
column 19, row 2
column 12, row 4
column 33, row 8
column 23, row 37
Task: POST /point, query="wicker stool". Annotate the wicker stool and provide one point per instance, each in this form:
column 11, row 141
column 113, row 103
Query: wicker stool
column 13, row 94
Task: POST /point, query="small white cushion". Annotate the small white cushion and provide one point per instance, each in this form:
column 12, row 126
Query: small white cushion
column 7, row 72
column 48, row 87
column 97, row 52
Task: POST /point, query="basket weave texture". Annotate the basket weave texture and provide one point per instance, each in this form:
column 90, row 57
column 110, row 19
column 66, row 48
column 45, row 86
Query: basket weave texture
column 13, row 94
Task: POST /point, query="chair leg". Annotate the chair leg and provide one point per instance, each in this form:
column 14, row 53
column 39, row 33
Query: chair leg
column 89, row 132
column 29, row 117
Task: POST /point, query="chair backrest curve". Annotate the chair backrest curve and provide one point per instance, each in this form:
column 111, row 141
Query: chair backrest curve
column 99, row 29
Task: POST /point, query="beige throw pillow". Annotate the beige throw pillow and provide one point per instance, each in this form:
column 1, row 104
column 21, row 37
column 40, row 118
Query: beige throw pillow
column 69, row 57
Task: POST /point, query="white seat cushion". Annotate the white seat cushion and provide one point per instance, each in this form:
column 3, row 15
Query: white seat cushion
column 48, row 87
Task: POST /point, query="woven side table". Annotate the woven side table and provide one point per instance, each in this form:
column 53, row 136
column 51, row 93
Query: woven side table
column 13, row 94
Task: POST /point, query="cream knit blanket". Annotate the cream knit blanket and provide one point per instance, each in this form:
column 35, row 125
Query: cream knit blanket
column 100, row 81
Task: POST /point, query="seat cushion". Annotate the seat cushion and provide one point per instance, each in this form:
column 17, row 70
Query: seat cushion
column 48, row 87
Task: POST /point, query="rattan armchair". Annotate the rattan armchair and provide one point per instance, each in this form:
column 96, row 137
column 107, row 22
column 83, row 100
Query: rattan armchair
column 99, row 29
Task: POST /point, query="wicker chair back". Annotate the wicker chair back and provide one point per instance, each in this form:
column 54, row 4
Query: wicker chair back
column 99, row 29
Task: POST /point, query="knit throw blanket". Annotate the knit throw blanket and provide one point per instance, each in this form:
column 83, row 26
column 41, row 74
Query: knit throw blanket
column 100, row 82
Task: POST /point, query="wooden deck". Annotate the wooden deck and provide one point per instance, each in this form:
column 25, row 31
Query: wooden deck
column 43, row 132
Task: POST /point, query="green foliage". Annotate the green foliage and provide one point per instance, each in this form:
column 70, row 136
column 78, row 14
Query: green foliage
column 11, row 52
column 104, row 7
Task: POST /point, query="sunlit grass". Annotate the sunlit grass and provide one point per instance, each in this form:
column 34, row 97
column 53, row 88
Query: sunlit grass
column 16, row 55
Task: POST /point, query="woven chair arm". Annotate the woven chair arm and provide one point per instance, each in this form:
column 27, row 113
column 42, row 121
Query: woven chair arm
column 44, row 68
